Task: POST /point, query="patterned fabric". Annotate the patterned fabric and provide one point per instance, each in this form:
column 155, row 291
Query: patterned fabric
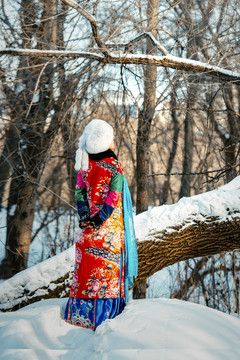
column 90, row 313
column 98, row 261
column 97, row 291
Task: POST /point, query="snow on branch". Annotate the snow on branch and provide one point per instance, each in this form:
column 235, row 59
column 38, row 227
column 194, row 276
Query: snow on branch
column 167, row 61
column 52, row 53
column 200, row 225
column 128, row 46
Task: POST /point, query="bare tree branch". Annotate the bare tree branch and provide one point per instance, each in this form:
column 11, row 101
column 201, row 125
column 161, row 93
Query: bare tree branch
column 92, row 21
column 138, row 38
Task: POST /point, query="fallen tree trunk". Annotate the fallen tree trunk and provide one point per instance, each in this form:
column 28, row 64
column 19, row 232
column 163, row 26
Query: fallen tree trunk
column 202, row 225
column 159, row 250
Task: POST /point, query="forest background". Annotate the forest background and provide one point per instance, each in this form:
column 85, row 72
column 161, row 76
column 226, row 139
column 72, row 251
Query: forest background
column 164, row 74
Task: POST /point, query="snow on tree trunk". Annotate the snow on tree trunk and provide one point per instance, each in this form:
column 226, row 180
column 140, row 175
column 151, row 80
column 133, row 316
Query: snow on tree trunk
column 203, row 238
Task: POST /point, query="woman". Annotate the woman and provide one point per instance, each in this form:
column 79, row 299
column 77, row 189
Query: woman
column 106, row 253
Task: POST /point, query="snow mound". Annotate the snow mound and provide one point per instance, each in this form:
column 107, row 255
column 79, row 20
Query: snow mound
column 147, row 329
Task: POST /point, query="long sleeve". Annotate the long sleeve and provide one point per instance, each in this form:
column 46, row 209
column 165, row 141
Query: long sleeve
column 116, row 186
column 81, row 196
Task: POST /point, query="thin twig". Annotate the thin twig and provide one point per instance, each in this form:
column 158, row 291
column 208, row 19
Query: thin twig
column 52, row 192
column 193, row 173
column 36, row 86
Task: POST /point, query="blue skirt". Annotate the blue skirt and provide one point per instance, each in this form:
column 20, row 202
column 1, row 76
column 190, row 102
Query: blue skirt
column 90, row 313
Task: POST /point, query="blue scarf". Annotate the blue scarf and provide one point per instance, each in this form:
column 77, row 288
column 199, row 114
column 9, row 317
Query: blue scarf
column 130, row 253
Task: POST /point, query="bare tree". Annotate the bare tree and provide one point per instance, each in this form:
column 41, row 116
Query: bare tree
column 33, row 108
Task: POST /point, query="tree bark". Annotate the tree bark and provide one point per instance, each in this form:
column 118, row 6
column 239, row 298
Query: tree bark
column 229, row 135
column 144, row 125
column 176, row 129
column 19, row 232
column 200, row 239
column 5, row 162
column 232, row 136
column 187, row 152
column 191, row 97
column 27, row 143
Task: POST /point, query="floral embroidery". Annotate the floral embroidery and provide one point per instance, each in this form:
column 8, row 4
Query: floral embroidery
column 113, row 167
column 96, row 286
column 104, row 192
column 104, row 253
column 90, row 313
column 78, row 255
column 79, row 238
column 102, row 231
column 99, row 284
column 112, row 242
column 80, row 311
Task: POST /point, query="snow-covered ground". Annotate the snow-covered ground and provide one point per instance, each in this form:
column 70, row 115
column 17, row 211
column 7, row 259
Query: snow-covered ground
column 150, row 329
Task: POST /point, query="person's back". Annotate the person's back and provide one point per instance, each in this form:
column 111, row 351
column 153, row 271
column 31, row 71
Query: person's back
column 98, row 273
column 98, row 291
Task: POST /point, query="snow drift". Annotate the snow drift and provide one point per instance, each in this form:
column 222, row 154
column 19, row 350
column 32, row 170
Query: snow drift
column 147, row 329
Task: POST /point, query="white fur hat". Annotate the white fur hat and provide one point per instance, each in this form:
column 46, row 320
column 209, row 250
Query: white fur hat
column 96, row 138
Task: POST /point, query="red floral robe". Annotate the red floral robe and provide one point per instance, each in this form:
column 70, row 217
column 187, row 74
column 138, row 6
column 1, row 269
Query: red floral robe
column 99, row 252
